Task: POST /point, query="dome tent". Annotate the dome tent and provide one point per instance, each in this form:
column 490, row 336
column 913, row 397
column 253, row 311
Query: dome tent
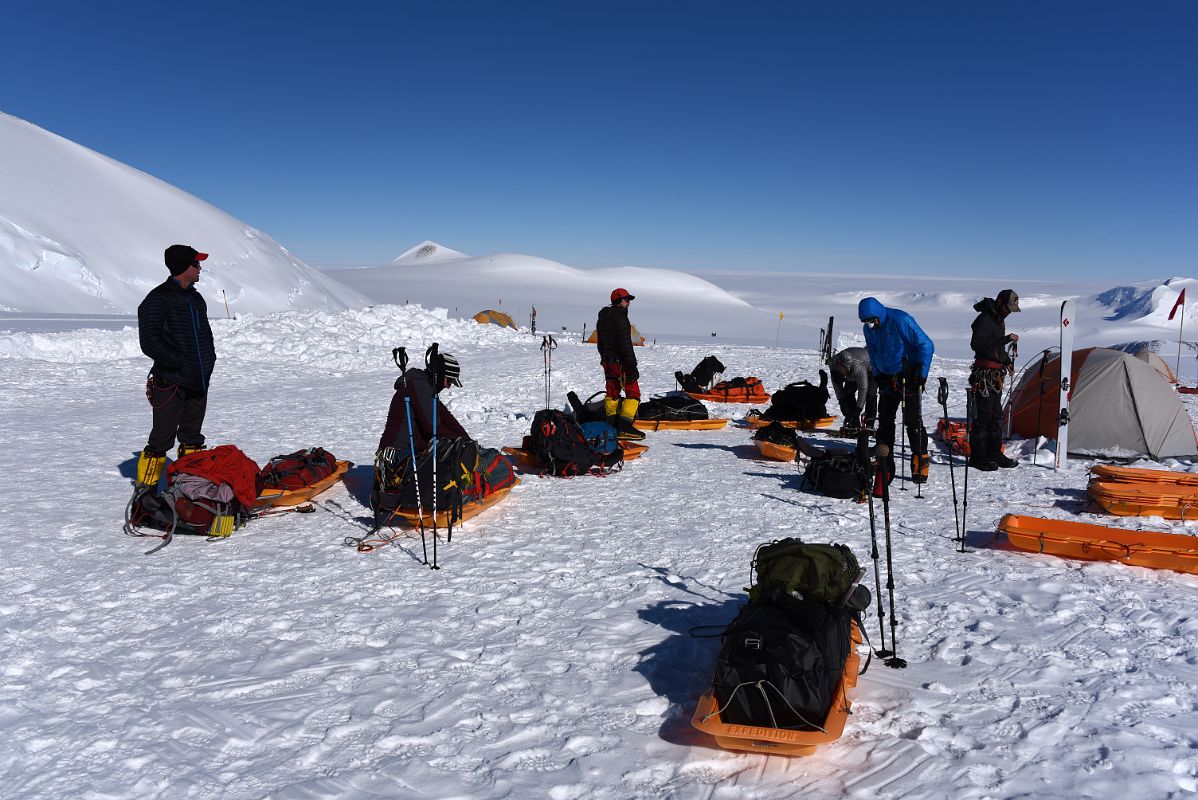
column 1157, row 363
column 1119, row 407
column 490, row 316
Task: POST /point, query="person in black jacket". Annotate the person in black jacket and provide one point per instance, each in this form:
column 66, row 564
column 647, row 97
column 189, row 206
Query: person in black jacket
column 613, row 333
column 414, row 392
column 173, row 329
column 991, row 366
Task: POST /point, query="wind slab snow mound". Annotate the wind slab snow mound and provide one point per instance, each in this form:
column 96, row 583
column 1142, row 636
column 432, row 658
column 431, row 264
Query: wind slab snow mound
column 549, row 657
column 80, row 232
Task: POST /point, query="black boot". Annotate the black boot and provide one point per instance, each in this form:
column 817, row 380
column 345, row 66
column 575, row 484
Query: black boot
column 626, row 430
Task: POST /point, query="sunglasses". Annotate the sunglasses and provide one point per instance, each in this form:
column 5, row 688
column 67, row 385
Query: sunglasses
column 871, row 321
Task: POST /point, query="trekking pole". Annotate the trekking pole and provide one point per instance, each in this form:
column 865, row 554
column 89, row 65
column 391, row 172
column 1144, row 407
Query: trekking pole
column 548, row 345
column 903, row 434
column 942, row 396
column 862, row 447
column 1039, row 407
column 968, row 436
column 431, row 359
column 400, row 356
column 894, row 661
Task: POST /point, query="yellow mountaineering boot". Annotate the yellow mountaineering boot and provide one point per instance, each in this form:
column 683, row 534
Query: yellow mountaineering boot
column 222, row 525
column 149, row 470
column 188, row 449
column 919, row 467
column 624, row 428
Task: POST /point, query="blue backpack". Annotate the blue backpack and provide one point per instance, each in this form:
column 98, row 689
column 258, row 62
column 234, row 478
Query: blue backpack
column 601, row 437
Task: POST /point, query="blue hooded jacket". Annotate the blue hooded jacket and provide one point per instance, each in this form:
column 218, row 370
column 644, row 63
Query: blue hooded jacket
column 896, row 338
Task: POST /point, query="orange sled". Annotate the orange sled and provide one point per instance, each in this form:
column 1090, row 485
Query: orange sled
column 679, row 424
column 527, row 461
column 470, row 510
column 722, row 392
column 782, row 741
column 775, row 452
column 1100, row 543
column 803, row 425
column 293, row 497
column 1128, row 499
column 1112, row 472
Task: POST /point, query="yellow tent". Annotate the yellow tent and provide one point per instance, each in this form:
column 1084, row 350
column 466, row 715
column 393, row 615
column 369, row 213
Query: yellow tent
column 637, row 339
column 494, row 318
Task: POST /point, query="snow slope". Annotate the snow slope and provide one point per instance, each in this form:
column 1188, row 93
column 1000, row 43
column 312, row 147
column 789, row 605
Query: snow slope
column 81, row 233
column 550, row 656
column 667, row 302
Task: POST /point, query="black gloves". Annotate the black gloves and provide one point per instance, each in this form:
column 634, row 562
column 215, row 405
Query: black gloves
column 633, row 374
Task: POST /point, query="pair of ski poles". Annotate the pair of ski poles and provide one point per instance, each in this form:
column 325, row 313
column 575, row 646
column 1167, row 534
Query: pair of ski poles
column 881, row 488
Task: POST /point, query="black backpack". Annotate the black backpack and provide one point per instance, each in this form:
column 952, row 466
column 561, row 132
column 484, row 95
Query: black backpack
column 396, row 477
column 558, row 441
column 672, row 407
column 838, row 475
column 777, row 433
column 701, row 376
column 781, row 662
column 800, row 401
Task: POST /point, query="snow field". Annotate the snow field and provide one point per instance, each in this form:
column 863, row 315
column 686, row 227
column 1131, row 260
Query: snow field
column 550, row 656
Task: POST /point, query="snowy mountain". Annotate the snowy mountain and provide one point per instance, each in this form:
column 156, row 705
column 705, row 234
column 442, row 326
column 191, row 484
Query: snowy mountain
column 668, row 302
column 427, row 252
column 82, row 233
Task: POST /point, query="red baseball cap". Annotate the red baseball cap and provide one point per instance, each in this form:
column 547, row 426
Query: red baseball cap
column 621, row 294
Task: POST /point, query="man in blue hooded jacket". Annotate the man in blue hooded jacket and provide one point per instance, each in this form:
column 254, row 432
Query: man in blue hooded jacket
column 900, row 354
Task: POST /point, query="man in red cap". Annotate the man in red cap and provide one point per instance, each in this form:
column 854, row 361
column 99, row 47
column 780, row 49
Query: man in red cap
column 613, row 332
column 172, row 326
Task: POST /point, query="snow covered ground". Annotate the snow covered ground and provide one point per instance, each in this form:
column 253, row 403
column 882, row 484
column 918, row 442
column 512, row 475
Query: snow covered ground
column 549, row 657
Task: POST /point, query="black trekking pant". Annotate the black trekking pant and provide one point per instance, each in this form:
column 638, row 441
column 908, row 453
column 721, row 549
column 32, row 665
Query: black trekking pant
column 846, row 396
column 178, row 413
column 985, row 434
column 893, row 392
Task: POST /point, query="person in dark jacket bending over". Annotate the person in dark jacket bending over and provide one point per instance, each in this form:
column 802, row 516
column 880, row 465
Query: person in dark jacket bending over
column 900, row 355
column 991, row 365
column 856, row 391
column 417, row 384
column 613, row 332
column 172, row 327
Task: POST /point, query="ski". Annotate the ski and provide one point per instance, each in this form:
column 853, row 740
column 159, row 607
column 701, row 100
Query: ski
column 1068, row 323
column 828, row 350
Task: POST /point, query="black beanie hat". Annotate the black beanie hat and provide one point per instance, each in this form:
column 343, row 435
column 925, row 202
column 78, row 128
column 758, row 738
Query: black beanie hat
column 179, row 257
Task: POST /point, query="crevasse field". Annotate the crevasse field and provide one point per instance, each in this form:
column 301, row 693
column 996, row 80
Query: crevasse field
column 550, row 655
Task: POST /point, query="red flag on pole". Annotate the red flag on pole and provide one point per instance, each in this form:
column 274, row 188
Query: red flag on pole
column 1181, row 301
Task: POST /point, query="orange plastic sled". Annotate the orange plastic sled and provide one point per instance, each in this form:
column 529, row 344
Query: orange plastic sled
column 774, row 451
column 1128, row 499
column 527, row 461
column 1113, row 472
column 469, row 511
column 736, row 395
column 1100, row 543
column 805, row 425
column 293, row 497
column 782, row 741
column 679, row 424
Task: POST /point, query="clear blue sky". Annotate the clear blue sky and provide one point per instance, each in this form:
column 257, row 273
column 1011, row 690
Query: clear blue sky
column 1022, row 137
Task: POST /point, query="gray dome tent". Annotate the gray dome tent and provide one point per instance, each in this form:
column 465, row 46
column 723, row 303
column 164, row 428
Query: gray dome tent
column 1120, row 407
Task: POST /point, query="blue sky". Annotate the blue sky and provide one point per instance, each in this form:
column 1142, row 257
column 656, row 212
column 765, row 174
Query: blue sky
column 1029, row 139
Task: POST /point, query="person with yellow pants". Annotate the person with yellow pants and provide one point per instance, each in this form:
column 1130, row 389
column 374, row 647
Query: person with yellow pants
column 613, row 332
